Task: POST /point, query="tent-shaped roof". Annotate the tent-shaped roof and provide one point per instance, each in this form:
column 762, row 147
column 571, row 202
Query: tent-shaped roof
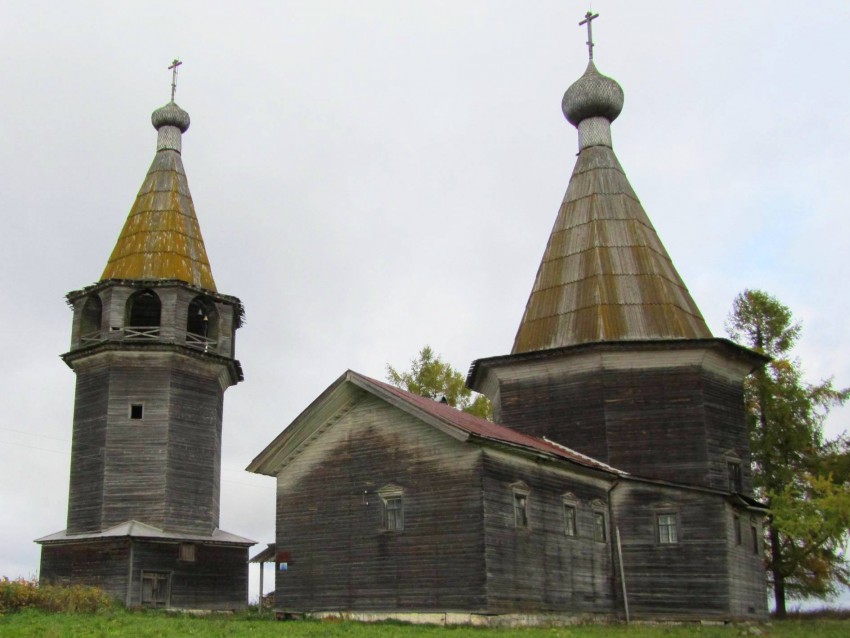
column 161, row 238
column 605, row 275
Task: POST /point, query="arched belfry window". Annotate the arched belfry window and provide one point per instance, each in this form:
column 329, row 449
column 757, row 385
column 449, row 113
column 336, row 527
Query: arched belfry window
column 90, row 319
column 201, row 322
column 143, row 315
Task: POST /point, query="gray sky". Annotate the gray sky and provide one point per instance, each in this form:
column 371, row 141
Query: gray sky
column 373, row 176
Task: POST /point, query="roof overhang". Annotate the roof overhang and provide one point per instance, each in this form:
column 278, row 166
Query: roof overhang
column 720, row 356
column 142, row 531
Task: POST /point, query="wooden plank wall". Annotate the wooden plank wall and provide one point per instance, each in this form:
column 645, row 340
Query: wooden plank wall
column 329, row 518
column 691, row 578
column 541, row 569
column 671, row 424
column 194, row 448
column 100, row 563
column 85, row 494
column 164, row 469
column 218, row 579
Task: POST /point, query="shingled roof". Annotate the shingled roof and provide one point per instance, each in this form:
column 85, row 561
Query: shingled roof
column 605, row 275
column 161, row 238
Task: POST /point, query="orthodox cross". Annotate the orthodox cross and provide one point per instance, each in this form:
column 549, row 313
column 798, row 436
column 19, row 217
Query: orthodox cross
column 173, row 69
column 588, row 17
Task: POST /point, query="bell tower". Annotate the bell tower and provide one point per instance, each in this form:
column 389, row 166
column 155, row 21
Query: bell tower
column 153, row 349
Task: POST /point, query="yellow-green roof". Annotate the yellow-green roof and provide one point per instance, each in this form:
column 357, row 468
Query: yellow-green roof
column 161, row 238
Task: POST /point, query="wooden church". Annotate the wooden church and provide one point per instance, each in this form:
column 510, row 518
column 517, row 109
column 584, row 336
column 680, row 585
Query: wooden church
column 614, row 483
column 152, row 346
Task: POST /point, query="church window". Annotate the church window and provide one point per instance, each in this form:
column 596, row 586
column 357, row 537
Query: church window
column 392, row 500
column 570, row 519
column 90, row 319
column 144, row 309
column 600, row 529
column 188, row 552
column 570, row 514
column 668, row 528
column 736, row 523
column 137, row 411
column 201, row 323
column 734, row 471
column 520, row 501
column 755, row 532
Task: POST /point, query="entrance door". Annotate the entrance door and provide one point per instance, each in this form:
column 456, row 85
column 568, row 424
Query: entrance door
column 156, row 588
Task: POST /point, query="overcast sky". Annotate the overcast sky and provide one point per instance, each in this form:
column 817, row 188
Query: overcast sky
column 374, row 176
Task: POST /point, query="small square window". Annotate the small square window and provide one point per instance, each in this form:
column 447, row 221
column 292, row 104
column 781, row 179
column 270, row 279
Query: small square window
column 668, row 529
column 599, row 528
column 570, row 519
column 734, row 470
column 137, row 411
column 521, row 509
column 188, row 552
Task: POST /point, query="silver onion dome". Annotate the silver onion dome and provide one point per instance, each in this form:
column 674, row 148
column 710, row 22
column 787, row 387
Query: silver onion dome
column 592, row 95
column 170, row 115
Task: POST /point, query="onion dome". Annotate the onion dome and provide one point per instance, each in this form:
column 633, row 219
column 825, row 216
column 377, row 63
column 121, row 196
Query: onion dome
column 170, row 115
column 592, row 95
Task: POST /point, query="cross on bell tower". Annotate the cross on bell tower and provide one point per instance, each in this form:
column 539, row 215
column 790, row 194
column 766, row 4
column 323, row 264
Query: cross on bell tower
column 173, row 69
column 588, row 19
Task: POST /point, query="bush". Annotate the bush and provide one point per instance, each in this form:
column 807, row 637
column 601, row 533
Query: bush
column 22, row 593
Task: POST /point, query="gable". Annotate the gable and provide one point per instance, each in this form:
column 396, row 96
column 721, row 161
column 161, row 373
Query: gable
column 341, row 397
column 376, row 441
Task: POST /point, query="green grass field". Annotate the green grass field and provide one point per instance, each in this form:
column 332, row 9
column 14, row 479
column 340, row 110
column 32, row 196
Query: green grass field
column 118, row 624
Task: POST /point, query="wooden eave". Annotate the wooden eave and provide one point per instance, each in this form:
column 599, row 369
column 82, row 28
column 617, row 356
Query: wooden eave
column 233, row 366
column 597, row 470
column 141, row 531
column 479, row 367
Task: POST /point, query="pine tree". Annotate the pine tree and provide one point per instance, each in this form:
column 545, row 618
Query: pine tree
column 803, row 477
column 430, row 376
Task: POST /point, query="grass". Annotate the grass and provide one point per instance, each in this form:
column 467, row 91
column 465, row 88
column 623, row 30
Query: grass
column 136, row 624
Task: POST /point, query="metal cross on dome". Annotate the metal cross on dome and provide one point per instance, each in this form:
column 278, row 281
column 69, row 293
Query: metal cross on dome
column 588, row 17
column 173, row 69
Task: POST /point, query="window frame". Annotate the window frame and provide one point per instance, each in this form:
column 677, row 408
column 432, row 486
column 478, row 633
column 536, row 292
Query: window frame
column 131, row 408
column 667, row 532
column 392, row 517
column 600, row 531
column 520, row 495
column 734, row 475
column 187, row 553
column 570, row 507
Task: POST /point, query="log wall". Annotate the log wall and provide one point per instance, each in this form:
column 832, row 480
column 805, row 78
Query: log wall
column 330, row 526
column 541, row 568
column 674, row 424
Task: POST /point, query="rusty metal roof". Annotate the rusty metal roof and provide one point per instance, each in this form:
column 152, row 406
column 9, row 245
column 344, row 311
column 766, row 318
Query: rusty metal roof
column 161, row 238
column 462, row 425
column 605, row 275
